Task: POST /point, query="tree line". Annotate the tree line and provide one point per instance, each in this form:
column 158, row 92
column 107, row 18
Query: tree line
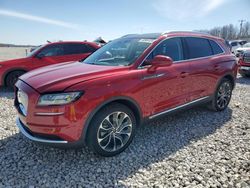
column 231, row 32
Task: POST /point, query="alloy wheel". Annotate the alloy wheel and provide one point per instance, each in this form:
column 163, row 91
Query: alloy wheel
column 114, row 131
column 224, row 95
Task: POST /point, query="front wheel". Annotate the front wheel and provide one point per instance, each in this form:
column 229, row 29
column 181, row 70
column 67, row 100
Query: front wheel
column 111, row 130
column 12, row 78
column 222, row 96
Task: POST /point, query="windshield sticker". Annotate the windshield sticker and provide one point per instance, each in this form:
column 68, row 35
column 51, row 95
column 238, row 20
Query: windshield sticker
column 147, row 40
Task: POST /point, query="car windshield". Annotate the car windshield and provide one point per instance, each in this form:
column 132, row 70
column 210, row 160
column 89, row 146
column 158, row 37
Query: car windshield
column 120, row 52
column 35, row 50
column 247, row 45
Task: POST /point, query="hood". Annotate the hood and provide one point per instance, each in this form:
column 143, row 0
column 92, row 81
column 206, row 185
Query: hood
column 61, row 76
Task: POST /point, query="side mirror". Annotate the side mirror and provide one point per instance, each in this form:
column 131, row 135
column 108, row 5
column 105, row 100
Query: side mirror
column 160, row 61
column 40, row 56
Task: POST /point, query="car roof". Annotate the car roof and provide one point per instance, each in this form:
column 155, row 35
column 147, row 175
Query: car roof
column 190, row 34
column 172, row 34
column 93, row 44
column 66, row 42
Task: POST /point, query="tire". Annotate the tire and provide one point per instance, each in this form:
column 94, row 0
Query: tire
column 222, row 96
column 12, row 78
column 108, row 137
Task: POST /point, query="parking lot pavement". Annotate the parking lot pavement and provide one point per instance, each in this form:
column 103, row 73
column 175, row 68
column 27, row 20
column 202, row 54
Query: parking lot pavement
column 196, row 147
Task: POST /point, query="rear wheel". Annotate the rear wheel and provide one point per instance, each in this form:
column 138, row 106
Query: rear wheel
column 222, row 96
column 12, row 78
column 111, row 130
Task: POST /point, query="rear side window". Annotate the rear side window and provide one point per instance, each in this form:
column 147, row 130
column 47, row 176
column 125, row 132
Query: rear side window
column 215, row 47
column 171, row 47
column 198, row 47
column 76, row 49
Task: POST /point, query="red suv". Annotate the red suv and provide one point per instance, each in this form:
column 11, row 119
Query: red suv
column 44, row 55
column 102, row 100
column 244, row 64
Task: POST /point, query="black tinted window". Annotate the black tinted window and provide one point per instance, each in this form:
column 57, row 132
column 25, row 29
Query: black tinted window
column 170, row 47
column 91, row 48
column 75, row 49
column 234, row 43
column 216, row 48
column 198, row 47
column 52, row 50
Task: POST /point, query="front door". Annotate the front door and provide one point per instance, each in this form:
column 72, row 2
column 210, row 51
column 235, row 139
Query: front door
column 49, row 55
column 166, row 87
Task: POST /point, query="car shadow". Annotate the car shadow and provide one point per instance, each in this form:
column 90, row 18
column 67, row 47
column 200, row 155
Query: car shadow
column 6, row 93
column 154, row 141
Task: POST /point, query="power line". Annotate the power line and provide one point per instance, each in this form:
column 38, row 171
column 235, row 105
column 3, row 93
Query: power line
column 241, row 24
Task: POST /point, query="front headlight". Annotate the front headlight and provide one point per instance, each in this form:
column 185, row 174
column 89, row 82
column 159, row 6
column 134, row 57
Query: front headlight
column 59, row 98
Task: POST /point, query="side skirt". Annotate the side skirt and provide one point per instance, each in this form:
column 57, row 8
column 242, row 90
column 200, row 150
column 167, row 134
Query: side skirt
column 184, row 106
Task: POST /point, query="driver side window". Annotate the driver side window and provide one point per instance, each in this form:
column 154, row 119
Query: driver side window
column 52, row 50
column 171, row 47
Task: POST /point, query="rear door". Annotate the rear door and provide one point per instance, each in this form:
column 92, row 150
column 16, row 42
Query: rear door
column 167, row 87
column 203, row 66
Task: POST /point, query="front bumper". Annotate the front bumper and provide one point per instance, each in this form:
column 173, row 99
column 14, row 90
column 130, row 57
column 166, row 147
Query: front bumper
column 244, row 69
column 54, row 125
column 27, row 133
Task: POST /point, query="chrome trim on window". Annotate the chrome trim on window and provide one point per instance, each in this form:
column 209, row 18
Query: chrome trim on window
column 26, row 134
column 178, row 107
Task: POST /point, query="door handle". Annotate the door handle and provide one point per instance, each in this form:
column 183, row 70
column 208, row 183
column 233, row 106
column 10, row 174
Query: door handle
column 184, row 74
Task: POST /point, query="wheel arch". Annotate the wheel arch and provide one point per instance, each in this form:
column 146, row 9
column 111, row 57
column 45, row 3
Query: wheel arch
column 227, row 76
column 127, row 101
column 10, row 71
column 230, row 77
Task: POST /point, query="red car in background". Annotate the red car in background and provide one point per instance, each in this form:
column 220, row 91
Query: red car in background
column 244, row 64
column 44, row 55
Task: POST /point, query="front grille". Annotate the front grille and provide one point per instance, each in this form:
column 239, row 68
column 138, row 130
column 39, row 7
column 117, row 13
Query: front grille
column 246, row 57
column 21, row 102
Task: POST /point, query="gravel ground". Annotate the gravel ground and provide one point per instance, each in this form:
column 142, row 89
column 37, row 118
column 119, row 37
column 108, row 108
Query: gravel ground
column 195, row 148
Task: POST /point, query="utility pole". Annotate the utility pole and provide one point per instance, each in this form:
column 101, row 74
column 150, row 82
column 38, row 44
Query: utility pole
column 241, row 24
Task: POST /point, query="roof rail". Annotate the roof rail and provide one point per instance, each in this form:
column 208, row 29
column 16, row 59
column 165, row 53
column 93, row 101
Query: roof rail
column 197, row 32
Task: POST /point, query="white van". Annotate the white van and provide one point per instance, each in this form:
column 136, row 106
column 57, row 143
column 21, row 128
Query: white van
column 236, row 44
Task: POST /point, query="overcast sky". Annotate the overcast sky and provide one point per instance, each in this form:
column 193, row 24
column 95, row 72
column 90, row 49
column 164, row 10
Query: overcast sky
column 34, row 22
